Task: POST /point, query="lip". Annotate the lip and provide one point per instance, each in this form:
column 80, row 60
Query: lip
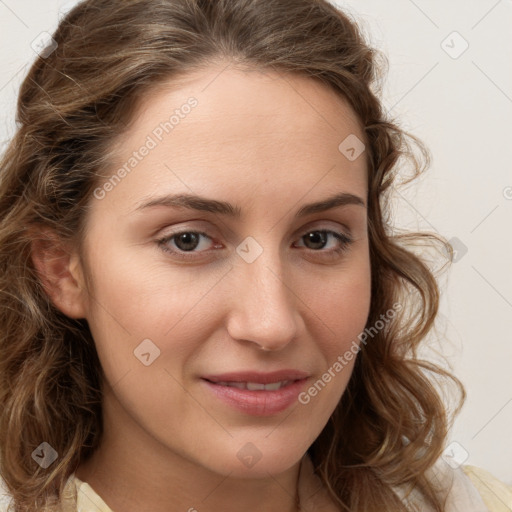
column 260, row 402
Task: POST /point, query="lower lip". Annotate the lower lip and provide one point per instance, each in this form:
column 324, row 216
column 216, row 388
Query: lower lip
column 258, row 403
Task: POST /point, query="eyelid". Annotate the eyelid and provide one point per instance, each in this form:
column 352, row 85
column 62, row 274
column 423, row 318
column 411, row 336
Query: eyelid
column 324, row 225
column 204, row 228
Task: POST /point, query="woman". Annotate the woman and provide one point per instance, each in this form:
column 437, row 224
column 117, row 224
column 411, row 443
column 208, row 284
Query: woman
column 202, row 305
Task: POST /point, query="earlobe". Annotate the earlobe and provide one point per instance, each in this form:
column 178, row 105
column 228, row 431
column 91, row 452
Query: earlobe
column 60, row 273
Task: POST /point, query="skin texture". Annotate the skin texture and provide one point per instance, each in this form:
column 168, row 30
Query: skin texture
column 268, row 143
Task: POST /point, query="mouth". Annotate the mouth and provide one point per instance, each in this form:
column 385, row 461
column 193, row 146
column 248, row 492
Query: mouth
column 257, row 394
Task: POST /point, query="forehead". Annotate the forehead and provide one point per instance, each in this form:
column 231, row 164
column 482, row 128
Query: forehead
column 248, row 128
column 253, row 100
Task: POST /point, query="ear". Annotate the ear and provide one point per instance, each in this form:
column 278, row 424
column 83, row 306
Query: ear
column 60, row 271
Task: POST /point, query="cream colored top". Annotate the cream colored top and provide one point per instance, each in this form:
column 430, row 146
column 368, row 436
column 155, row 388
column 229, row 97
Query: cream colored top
column 471, row 490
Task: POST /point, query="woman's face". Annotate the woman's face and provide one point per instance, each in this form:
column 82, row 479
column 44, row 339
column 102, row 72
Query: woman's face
column 259, row 287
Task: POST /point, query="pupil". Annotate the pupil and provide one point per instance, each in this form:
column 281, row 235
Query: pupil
column 186, row 238
column 317, row 237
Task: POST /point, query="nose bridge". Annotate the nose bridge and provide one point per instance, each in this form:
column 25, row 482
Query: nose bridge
column 263, row 309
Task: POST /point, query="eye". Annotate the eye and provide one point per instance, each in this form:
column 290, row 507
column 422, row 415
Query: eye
column 316, row 240
column 184, row 241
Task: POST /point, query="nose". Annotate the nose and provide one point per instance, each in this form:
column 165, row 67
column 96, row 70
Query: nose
column 263, row 307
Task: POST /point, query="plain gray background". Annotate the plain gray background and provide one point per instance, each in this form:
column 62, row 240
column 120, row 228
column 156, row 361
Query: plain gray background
column 450, row 83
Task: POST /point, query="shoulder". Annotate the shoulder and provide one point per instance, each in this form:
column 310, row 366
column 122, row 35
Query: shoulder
column 68, row 503
column 496, row 494
column 5, row 498
column 464, row 489
column 471, row 489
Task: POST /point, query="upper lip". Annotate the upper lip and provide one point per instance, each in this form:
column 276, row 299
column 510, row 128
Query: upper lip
column 258, row 377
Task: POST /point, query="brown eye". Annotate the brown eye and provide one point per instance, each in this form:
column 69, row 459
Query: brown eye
column 316, row 241
column 184, row 242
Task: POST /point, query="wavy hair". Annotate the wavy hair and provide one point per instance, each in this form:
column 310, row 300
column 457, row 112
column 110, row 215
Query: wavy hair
column 391, row 423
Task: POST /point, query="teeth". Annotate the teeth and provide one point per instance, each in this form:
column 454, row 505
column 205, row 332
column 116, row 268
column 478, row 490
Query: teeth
column 239, row 385
column 273, row 387
column 255, row 386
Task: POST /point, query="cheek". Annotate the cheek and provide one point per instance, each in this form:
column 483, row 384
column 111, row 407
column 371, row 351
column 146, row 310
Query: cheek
column 341, row 314
column 133, row 302
column 143, row 298
column 147, row 322
column 342, row 307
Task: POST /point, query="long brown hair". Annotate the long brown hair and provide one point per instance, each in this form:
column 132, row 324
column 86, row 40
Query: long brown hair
column 391, row 423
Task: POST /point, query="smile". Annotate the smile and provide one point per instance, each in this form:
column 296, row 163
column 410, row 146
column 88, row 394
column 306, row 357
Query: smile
column 256, row 386
column 256, row 394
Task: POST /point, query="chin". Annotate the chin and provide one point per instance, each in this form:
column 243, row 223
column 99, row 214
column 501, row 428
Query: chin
column 257, row 456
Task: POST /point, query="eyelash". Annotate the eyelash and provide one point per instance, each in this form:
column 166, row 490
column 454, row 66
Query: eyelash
column 345, row 242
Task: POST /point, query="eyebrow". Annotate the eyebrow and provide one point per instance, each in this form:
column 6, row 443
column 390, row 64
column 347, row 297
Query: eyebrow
column 203, row 204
